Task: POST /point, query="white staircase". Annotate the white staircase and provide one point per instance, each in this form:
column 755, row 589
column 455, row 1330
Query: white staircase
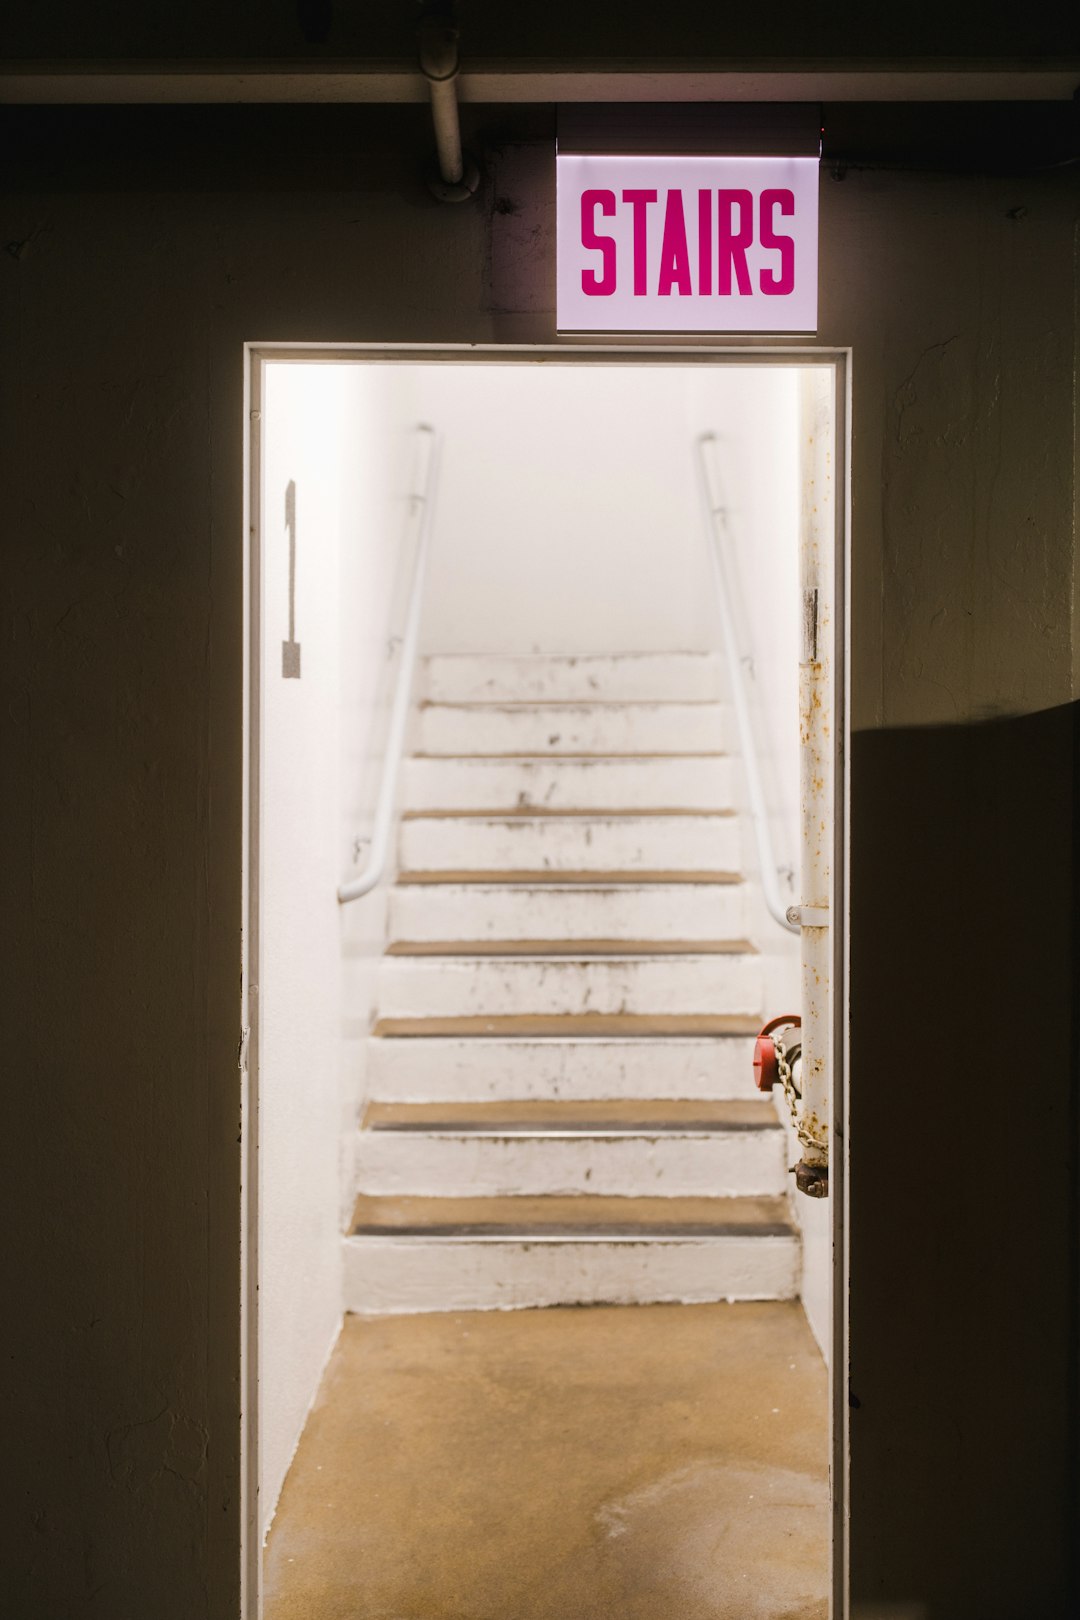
column 560, row 1104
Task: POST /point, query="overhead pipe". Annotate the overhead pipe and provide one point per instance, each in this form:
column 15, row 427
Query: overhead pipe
column 456, row 177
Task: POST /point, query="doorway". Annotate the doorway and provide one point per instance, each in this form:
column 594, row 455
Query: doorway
column 570, row 506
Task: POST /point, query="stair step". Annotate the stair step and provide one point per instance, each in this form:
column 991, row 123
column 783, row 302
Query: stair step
column 464, row 678
column 486, row 987
column 583, row 1116
column 577, row 843
column 570, row 912
column 694, row 782
column 588, row 1025
column 439, row 1069
column 439, row 1254
column 582, row 1216
column 494, row 730
column 543, row 812
column 489, row 948
column 535, row 876
column 730, row 1150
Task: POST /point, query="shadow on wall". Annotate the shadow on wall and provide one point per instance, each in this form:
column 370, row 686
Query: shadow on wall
column 964, row 1104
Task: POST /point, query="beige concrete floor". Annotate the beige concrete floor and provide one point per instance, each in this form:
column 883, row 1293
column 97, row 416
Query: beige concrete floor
column 663, row 1462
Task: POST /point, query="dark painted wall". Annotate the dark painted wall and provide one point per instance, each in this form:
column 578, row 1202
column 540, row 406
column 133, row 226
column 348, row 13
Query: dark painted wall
column 692, row 30
column 963, row 1187
column 142, row 249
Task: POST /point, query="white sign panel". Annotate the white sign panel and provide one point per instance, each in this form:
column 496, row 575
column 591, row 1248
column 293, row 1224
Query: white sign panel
column 687, row 244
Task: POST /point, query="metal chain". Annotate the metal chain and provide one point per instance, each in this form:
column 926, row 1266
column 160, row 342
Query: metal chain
column 784, row 1062
column 787, row 1080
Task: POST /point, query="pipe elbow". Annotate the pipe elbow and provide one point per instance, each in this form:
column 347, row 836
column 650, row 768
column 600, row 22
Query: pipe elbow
column 439, row 56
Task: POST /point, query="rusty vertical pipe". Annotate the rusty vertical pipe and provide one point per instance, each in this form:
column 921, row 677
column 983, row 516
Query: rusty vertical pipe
column 816, row 730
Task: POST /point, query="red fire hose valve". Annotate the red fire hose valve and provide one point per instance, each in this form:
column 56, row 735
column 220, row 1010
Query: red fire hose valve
column 766, row 1067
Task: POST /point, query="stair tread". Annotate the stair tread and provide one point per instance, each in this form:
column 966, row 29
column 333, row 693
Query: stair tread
column 540, row 812
column 570, row 948
column 576, row 704
column 577, row 953
column 583, row 884
column 515, row 755
column 633, row 1042
column 586, row 655
column 537, row 813
column 551, row 876
column 622, row 1115
column 585, row 1215
column 527, row 756
column 591, row 1024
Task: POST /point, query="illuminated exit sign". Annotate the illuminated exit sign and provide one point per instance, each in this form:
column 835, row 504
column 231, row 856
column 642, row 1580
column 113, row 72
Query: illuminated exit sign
column 687, row 244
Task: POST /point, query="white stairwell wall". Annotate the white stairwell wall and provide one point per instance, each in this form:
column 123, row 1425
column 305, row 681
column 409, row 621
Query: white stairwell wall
column 350, row 454
column 299, row 1013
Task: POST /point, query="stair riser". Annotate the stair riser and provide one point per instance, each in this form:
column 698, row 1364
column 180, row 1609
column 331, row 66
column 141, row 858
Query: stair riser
column 387, row 1276
column 632, row 728
column 522, row 912
column 426, row 987
column 596, row 784
column 620, row 844
column 673, row 677
column 493, row 1070
column 719, row 1164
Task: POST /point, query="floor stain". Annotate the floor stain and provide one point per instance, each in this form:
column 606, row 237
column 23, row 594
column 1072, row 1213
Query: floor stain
column 721, row 1538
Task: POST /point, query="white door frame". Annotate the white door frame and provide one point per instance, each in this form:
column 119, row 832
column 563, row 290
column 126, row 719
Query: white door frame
column 641, row 352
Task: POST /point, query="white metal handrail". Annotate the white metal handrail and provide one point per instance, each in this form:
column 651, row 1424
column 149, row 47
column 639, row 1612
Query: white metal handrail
column 422, row 504
column 717, row 530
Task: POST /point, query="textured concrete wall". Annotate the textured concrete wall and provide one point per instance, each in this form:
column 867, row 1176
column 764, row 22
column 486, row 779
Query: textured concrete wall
column 144, row 248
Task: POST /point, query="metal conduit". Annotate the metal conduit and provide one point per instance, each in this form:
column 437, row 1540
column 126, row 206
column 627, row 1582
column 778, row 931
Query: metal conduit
column 456, row 177
column 716, row 528
column 422, row 503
